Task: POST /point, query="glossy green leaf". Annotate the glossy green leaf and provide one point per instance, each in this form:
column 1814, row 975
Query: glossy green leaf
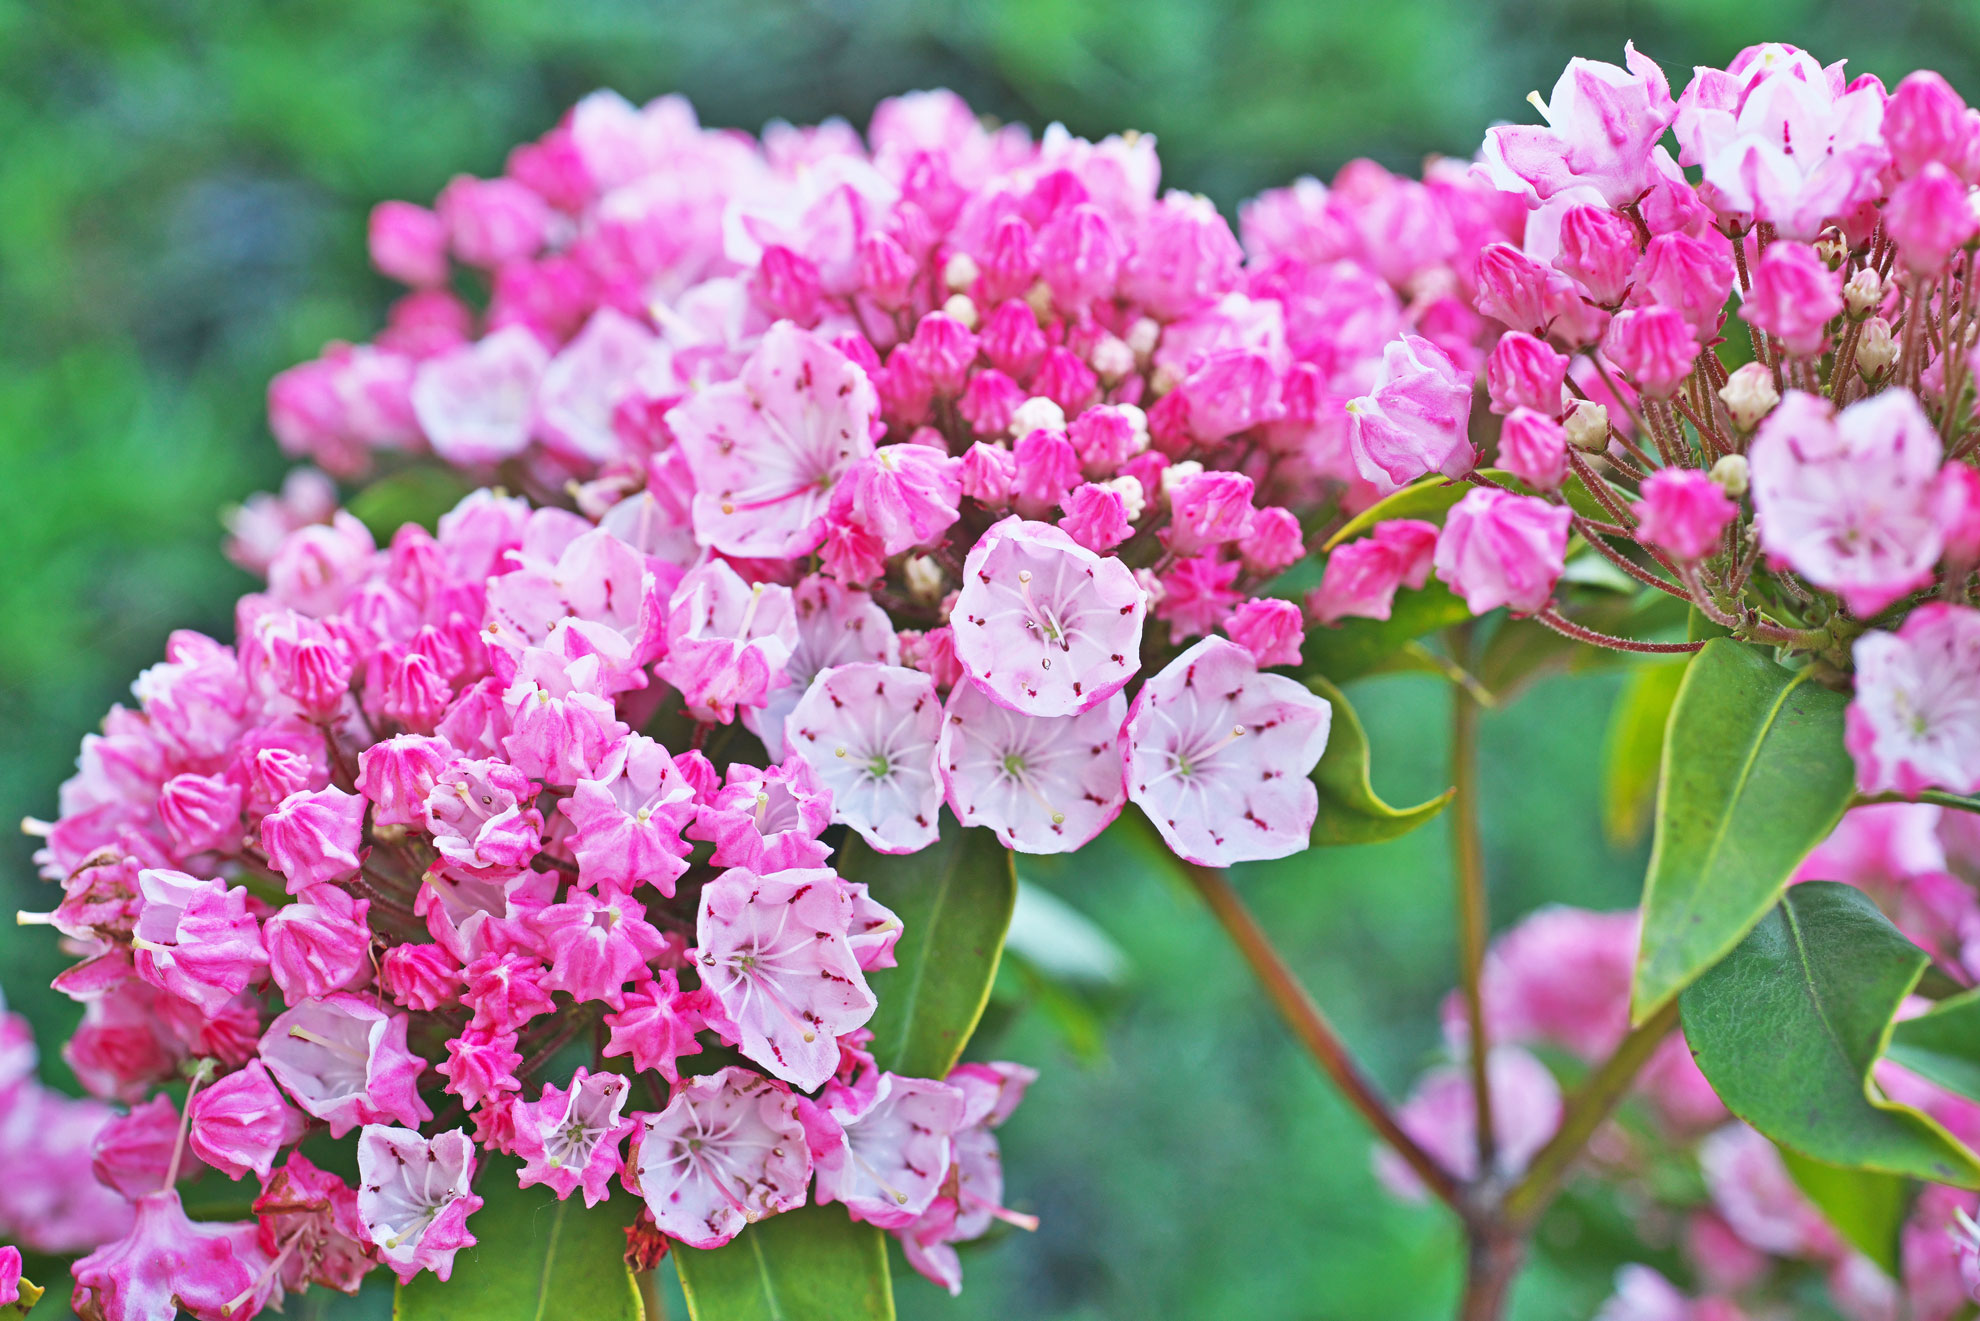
column 1943, row 1044
column 811, row 1264
column 418, row 494
column 1867, row 1208
column 1357, row 647
column 1789, row 1025
column 1350, row 810
column 535, row 1259
column 1754, row 775
column 1635, row 748
column 954, row 900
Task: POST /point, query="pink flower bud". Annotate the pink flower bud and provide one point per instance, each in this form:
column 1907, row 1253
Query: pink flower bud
column 1183, row 256
column 319, row 944
column 1097, row 518
column 491, row 222
column 886, row 271
column 1959, row 513
column 1533, row 448
column 1926, row 123
column 1274, row 541
column 1794, row 296
column 132, row 1152
column 1653, row 345
column 1683, row 511
column 1079, row 257
column 1269, row 628
column 1208, row 510
column 944, row 349
column 989, row 401
column 1524, row 372
column 1044, row 468
column 1232, row 392
column 1692, row 275
column 408, row 244
column 988, row 474
column 1012, row 341
column 241, row 1122
column 1362, row 577
column 787, row 285
column 1010, row 264
column 1598, row 251
column 314, row 837
column 1065, row 380
column 1498, row 549
column 398, row 774
column 1105, row 438
column 202, row 812
column 422, row 977
column 1930, row 218
column 1520, row 291
column 1417, row 420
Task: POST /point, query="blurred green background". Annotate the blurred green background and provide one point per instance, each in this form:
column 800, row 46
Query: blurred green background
column 183, row 188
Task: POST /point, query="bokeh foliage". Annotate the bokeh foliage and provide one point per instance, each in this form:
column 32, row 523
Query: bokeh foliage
column 183, row 185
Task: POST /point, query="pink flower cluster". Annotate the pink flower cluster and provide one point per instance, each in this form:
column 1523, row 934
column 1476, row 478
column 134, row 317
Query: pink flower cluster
column 1559, row 981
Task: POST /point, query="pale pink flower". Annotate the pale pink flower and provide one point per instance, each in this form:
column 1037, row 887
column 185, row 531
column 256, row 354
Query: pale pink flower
column 312, row 1215
column 903, row 494
column 345, row 1061
column 1415, row 420
column 1045, row 625
column 480, row 817
column 476, row 403
column 1218, row 754
column 398, row 774
column 491, row 222
column 1498, row 549
column 728, row 641
column 1751, row 1188
column 868, row 732
column 892, row 1150
column 628, row 822
column 1915, row 720
column 1441, row 1116
column 195, row 939
column 1602, row 127
column 767, row 448
column 773, row 951
column 572, row 1137
column 836, row 625
column 595, row 943
column 584, row 383
column 1043, row 784
column 414, row 1197
column 563, row 728
column 1643, row 1294
column 1848, row 499
column 727, row 1150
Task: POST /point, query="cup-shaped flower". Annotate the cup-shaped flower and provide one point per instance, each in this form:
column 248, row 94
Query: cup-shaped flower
column 345, row 1061
column 629, row 820
column 595, row 943
column 309, row 1219
column 414, row 1197
column 480, row 817
column 1416, row 420
column 572, row 1137
column 1043, row 624
column 476, row 403
column 868, row 732
column 194, row 938
column 1218, row 755
column 1602, row 128
column 657, row 1025
column 1043, row 784
column 727, row 1151
column 773, row 950
column 1915, row 720
column 891, row 1154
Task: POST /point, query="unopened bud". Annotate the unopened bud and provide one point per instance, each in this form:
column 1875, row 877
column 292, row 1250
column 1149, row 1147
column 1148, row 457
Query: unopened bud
column 1831, row 247
column 961, row 272
column 1037, row 413
column 1143, row 335
column 1731, row 475
column 924, row 579
column 1876, row 349
column 1139, row 421
column 1749, row 395
column 1587, row 426
column 1134, row 500
column 1111, row 358
column 1179, row 472
column 1862, row 292
column 962, row 308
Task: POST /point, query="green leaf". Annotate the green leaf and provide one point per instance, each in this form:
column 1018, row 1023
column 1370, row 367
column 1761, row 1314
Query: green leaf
column 1865, row 1207
column 418, row 494
column 1357, row 647
column 1754, row 775
column 1943, row 1044
column 954, row 899
column 1635, row 748
column 811, row 1264
column 1350, row 811
column 534, row 1258
column 1789, row 1025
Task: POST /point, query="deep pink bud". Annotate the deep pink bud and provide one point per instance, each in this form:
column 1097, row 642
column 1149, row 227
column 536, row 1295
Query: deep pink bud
column 1269, row 628
column 1012, row 341
column 1417, row 419
column 1533, row 448
column 314, row 837
column 1232, row 392
column 1079, row 256
column 422, row 977
column 988, row 473
column 202, row 812
column 1524, row 372
column 1065, row 380
column 787, row 285
column 1274, row 541
column 1959, row 513
column 1105, row 438
column 1208, row 510
column 240, row 1122
column 1930, row 218
column 1598, row 251
column 1925, row 123
column 1184, row 256
column 1097, row 518
column 1045, row 467
column 1794, row 296
column 1519, row 290
column 1010, row 264
column 886, row 271
column 943, row 349
column 1654, row 346
column 408, row 244
column 491, row 222
column 132, row 1152
column 989, row 401
column 1692, row 275
column 1498, row 549
column 1683, row 511
column 398, row 774
column 319, row 944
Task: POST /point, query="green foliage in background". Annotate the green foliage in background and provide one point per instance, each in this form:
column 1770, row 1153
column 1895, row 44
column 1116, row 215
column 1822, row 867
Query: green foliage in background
column 182, row 200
